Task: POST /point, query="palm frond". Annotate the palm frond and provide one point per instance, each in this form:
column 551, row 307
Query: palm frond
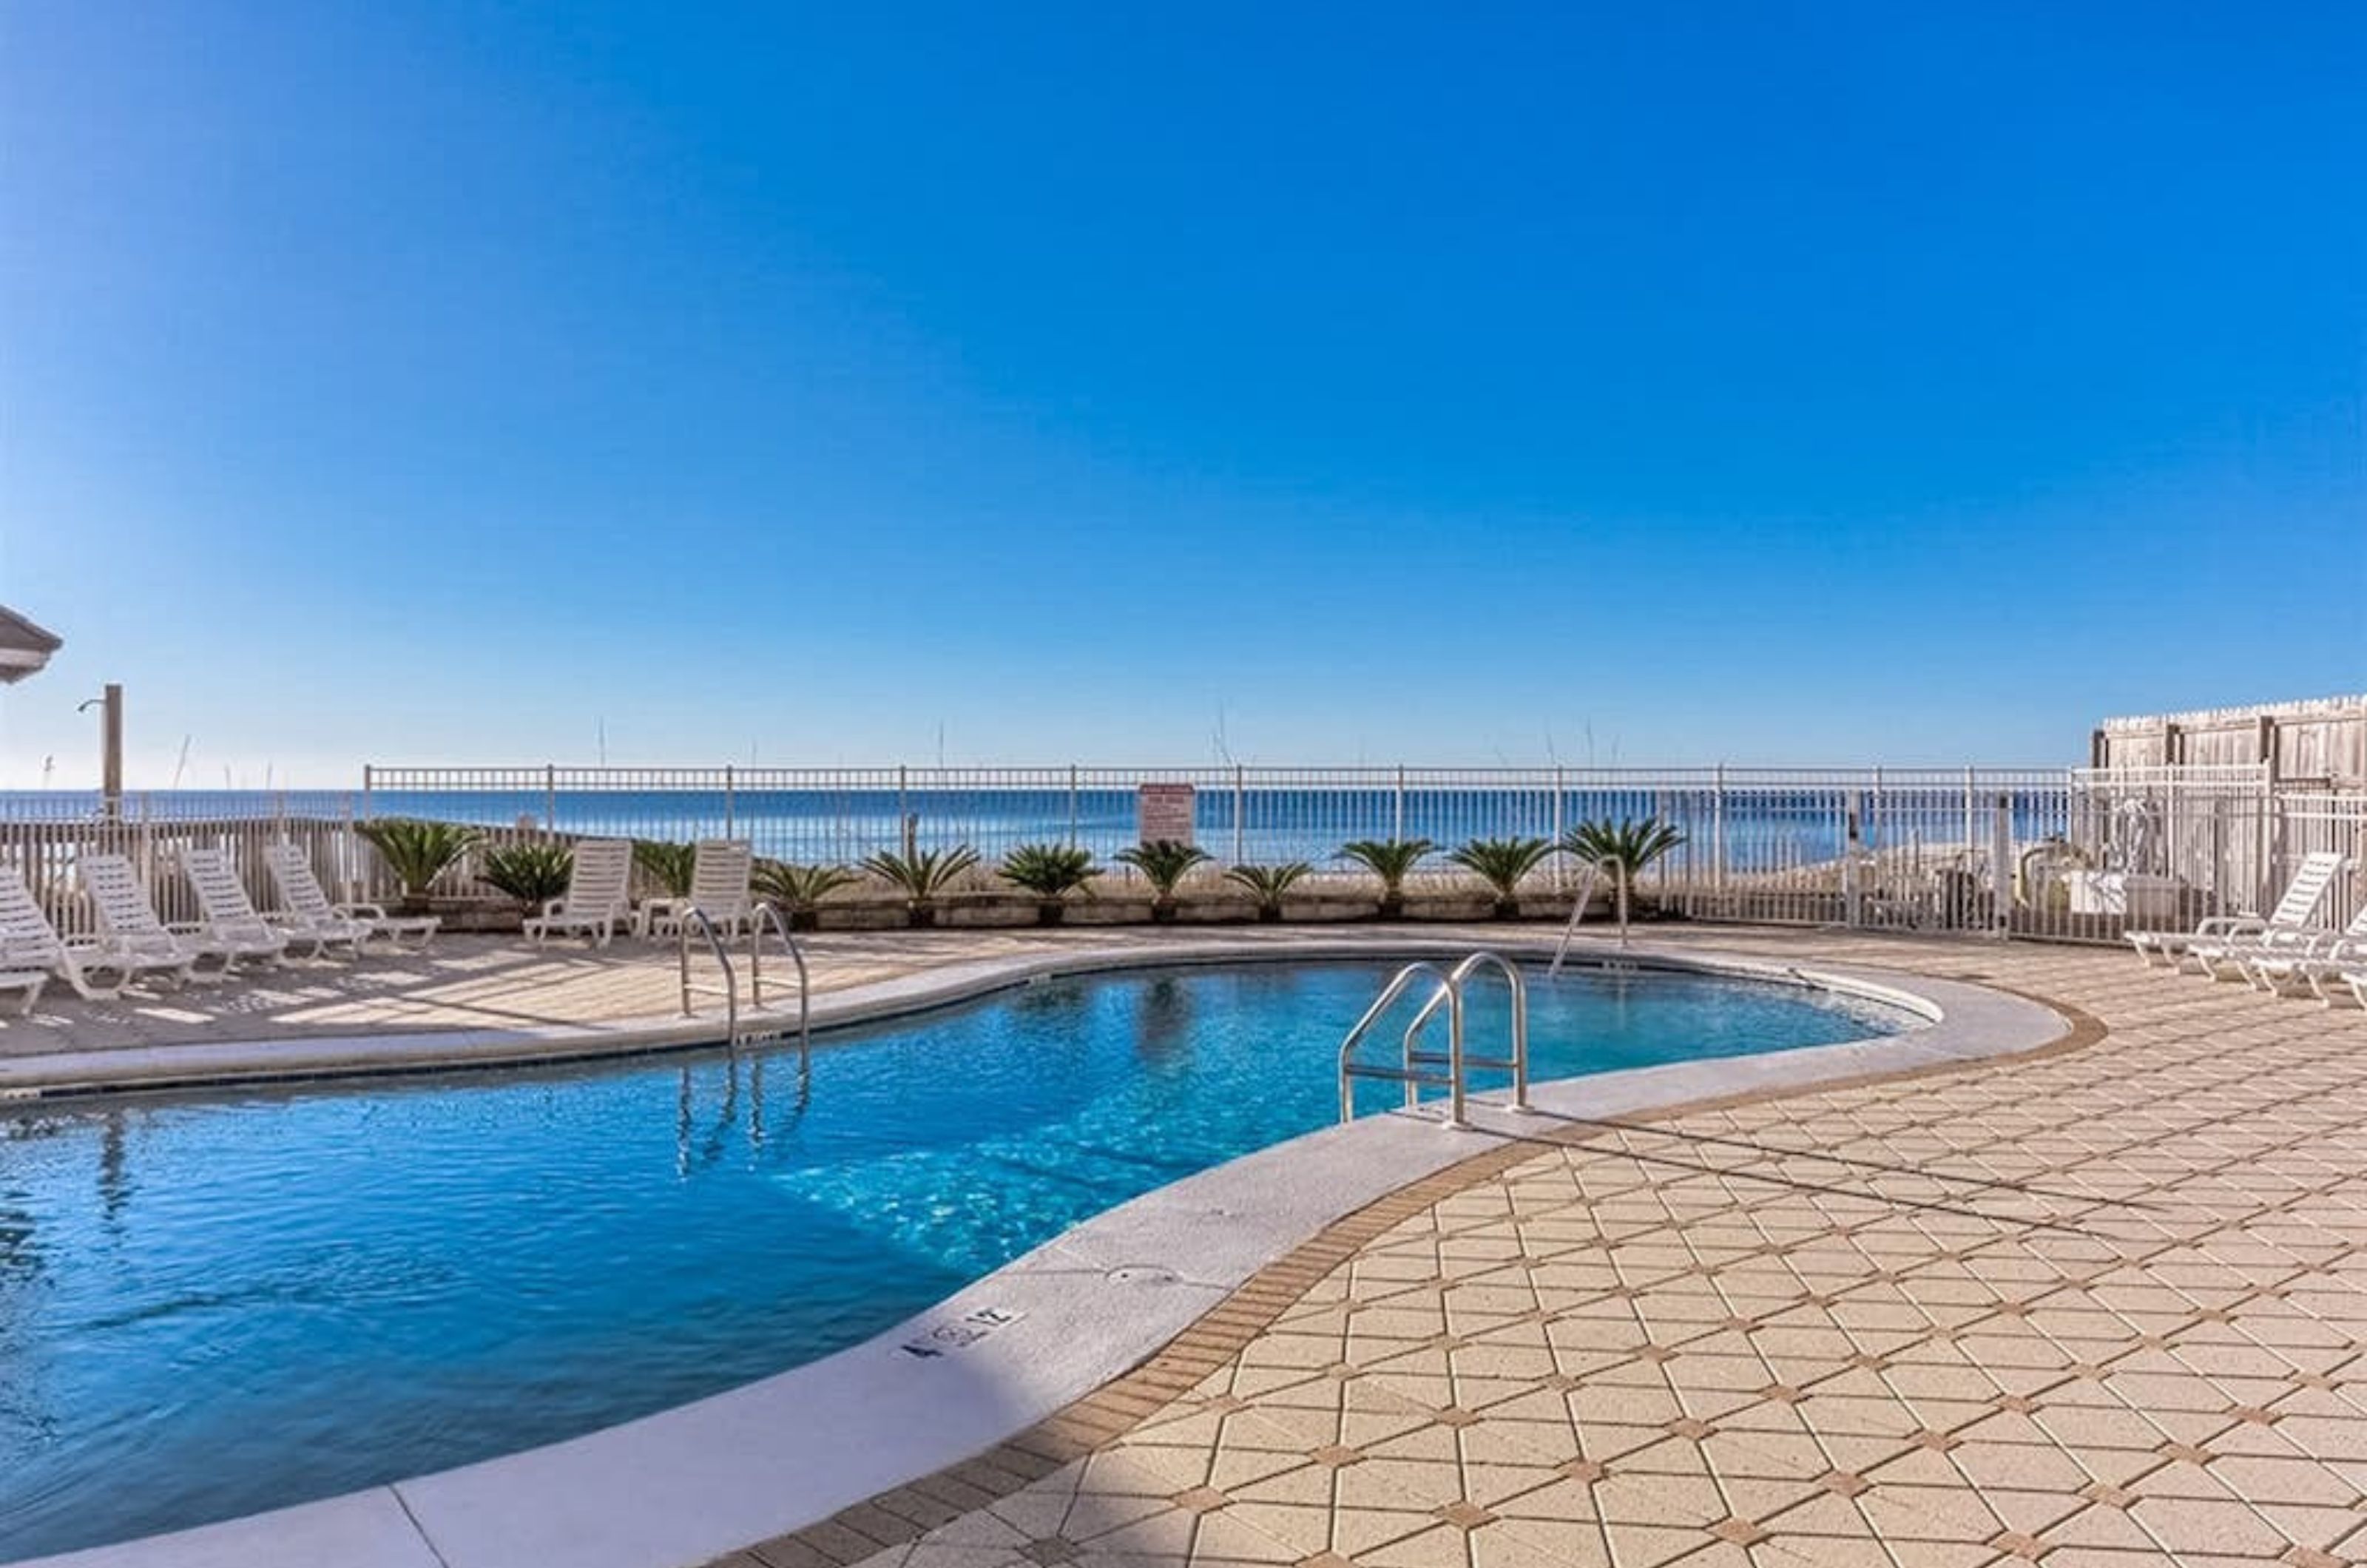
column 1500, row 862
column 418, row 853
column 924, row 873
column 530, row 873
column 1050, row 871
column 1389, row 859
column 796, row 888
column 1269, row 883
column 669, row 866
column 1163, row 860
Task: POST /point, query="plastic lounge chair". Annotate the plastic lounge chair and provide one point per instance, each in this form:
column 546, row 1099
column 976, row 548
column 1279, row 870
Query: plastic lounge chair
column 2269, row 960
column 718, row 886
column 95, row 968
column 27, row 984
column 128, row 919
column 231, row 920
column 2302, row 896
column 2231, row 958
column 597, row 899
column 2315, row 970
column 311, row 917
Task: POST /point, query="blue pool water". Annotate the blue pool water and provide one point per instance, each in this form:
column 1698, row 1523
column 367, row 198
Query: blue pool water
column 210, row 1306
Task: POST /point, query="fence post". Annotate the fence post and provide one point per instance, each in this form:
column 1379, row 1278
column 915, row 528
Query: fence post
column 549, row 798
column 367, row 812
column 1072, row 805
column 1560, row 862
column 2001, row 865
column 1972, row 810
column 1240, row 802
column 1397, row 818
column 731, row 803
column 1851, row 896
column 2272, row 843
column 1717, row 836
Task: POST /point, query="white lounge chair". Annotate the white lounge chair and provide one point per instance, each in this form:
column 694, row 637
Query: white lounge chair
column 29, row 943
column 719, row 888
column 27, row 984
column 232, row 923
column 2313, row 969
column 598, row 898
column 95, row 967
column 2303, row 895
column 127, row 918
column 2231, row 958
column 308, row 916
column 29, row 949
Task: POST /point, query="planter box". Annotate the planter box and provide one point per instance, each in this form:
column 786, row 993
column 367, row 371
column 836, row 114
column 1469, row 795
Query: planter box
column 2132, row 896
column 493, row 915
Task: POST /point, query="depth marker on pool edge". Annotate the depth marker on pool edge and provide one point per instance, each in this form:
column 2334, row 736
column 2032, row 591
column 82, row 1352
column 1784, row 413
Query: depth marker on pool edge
column 961, row 1334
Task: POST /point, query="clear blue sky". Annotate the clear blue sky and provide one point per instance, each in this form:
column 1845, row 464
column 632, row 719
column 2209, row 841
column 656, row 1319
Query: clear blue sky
column 1816, row 383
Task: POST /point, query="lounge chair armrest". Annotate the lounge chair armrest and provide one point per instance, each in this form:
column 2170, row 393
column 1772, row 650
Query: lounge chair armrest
column 358, row 911
column 550, row 906
column 188, row 927
column 2231, row 925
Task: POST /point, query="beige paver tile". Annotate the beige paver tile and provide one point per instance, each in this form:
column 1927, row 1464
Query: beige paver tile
column 2105, row 1306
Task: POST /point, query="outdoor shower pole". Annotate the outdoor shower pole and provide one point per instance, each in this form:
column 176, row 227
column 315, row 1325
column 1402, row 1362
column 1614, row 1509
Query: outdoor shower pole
column 110, row 749
column 111, row 764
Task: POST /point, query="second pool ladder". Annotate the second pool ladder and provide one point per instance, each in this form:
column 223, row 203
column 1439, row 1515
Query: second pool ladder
column 1419, row 1068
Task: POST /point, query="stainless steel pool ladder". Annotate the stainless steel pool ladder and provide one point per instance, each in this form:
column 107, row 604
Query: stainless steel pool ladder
column 1517, row 1064
column 1418, row 1069
column 761, row 917
column 1576, row 913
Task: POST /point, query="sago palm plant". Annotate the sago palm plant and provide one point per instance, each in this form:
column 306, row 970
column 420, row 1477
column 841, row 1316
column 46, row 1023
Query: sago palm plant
column 1621, row 849
column 1390, row 860
column 668, row 865
column 533, row 873
column 1051, row 871
column 1501, row 863
column 417, row 852
column 922, row 876
column 1267, row 884
column 1165, row 863
column 799, row 890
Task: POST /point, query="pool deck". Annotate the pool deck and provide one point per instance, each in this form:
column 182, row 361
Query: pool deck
column 2101, row 1304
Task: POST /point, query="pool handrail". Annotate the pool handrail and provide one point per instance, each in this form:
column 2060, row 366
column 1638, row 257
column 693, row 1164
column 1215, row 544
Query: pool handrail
column 692, row 916
column 1577, row 913
column 761, row 914
column 1517, row 1064
column 1409, row 1073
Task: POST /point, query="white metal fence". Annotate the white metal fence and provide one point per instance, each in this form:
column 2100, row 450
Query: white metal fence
column 2074, row 854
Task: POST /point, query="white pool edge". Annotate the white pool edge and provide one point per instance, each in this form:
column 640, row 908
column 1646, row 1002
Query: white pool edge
column 689, row 1484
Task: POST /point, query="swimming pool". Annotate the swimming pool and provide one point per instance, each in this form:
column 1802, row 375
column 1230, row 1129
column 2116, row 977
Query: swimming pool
column 214, row 1305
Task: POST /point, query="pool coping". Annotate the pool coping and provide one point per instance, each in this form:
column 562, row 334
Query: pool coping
column 1021, row 1345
